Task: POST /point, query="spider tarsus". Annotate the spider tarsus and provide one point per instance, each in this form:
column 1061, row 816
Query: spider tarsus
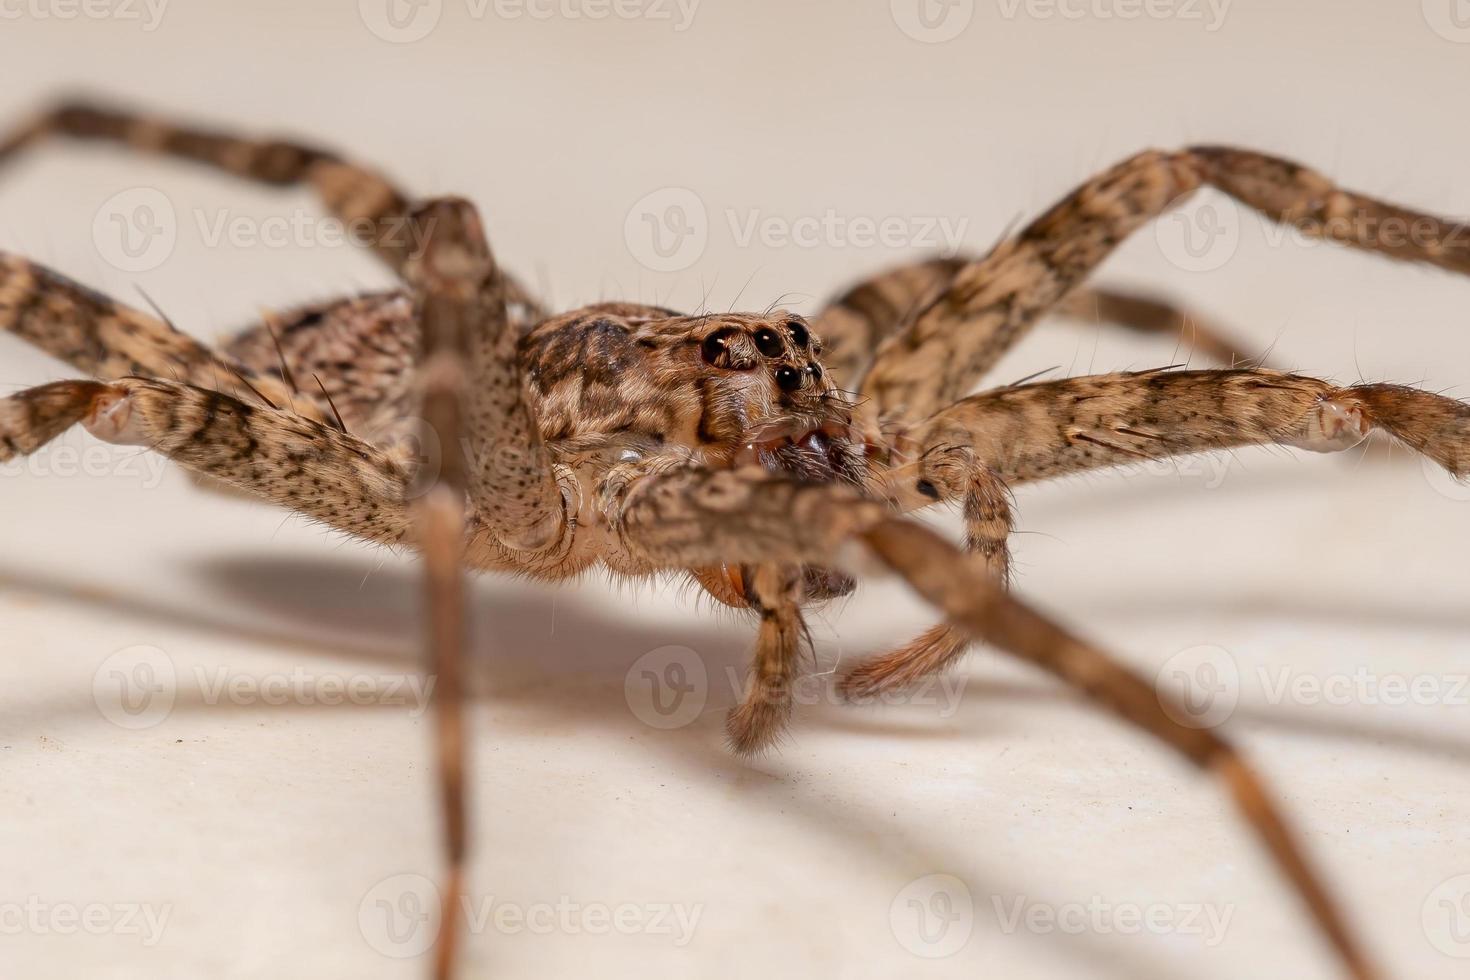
column 756, row 725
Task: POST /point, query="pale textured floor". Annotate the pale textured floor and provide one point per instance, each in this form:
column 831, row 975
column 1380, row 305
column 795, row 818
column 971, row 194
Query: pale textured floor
column 267, row 833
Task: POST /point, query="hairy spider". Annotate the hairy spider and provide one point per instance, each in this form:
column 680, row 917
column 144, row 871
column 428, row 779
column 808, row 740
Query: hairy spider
column 723, row 445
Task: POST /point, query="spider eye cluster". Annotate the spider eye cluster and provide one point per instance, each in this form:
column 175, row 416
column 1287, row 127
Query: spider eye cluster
column 738, row 349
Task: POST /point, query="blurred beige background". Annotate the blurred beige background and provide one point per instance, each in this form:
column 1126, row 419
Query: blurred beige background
column 180, row 802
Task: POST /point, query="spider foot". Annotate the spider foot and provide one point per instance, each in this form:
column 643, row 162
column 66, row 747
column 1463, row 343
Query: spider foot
column 757, row 723
column 930, row 652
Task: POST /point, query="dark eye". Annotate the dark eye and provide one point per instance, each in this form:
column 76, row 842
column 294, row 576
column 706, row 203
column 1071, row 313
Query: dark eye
column 799, row 334
column 816, row 372
column 715, row 345
column 768, row 342
column 788, row 378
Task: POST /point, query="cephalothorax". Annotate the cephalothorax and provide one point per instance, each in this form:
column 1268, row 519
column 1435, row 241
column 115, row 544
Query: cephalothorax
column 755, row 452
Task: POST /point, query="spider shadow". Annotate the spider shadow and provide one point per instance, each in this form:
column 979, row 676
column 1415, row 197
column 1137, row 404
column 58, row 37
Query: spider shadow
column 565, row 659
column 568, row 662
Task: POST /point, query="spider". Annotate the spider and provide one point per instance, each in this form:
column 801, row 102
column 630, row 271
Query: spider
column 768, row 456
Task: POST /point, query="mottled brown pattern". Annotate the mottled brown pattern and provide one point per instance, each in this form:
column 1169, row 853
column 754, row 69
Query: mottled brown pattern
column 961, row 333
column 106, row 339
column 1056, row 428
column 858, row 321
column 454, row 415
column 946, row 348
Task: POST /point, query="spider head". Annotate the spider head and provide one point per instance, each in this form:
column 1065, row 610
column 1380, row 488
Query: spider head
column 765, row 398
column 736, row 388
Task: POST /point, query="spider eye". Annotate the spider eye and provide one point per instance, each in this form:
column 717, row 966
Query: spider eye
column 816, row 371
column 788, row 378
column 799, row 333
column 768, row 342
column 715, row 346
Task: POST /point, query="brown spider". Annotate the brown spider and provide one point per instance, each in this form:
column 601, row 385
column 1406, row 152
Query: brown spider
column 458, row 416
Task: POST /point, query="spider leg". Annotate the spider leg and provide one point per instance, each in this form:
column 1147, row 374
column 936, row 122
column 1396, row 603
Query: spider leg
column 367, row 202
column 276, row 455
column 686, row 517
column 509, row 474
column 354, row 194
column 1147, row 314
column 450, row 278
column 1059, row 428
column 856, row 322
column 942, row 474
column 958, row 335
column 759, row 720
column 105, row 339
column 1056, row 428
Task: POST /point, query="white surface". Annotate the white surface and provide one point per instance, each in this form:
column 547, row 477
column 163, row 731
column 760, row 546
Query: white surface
column 262, row 831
